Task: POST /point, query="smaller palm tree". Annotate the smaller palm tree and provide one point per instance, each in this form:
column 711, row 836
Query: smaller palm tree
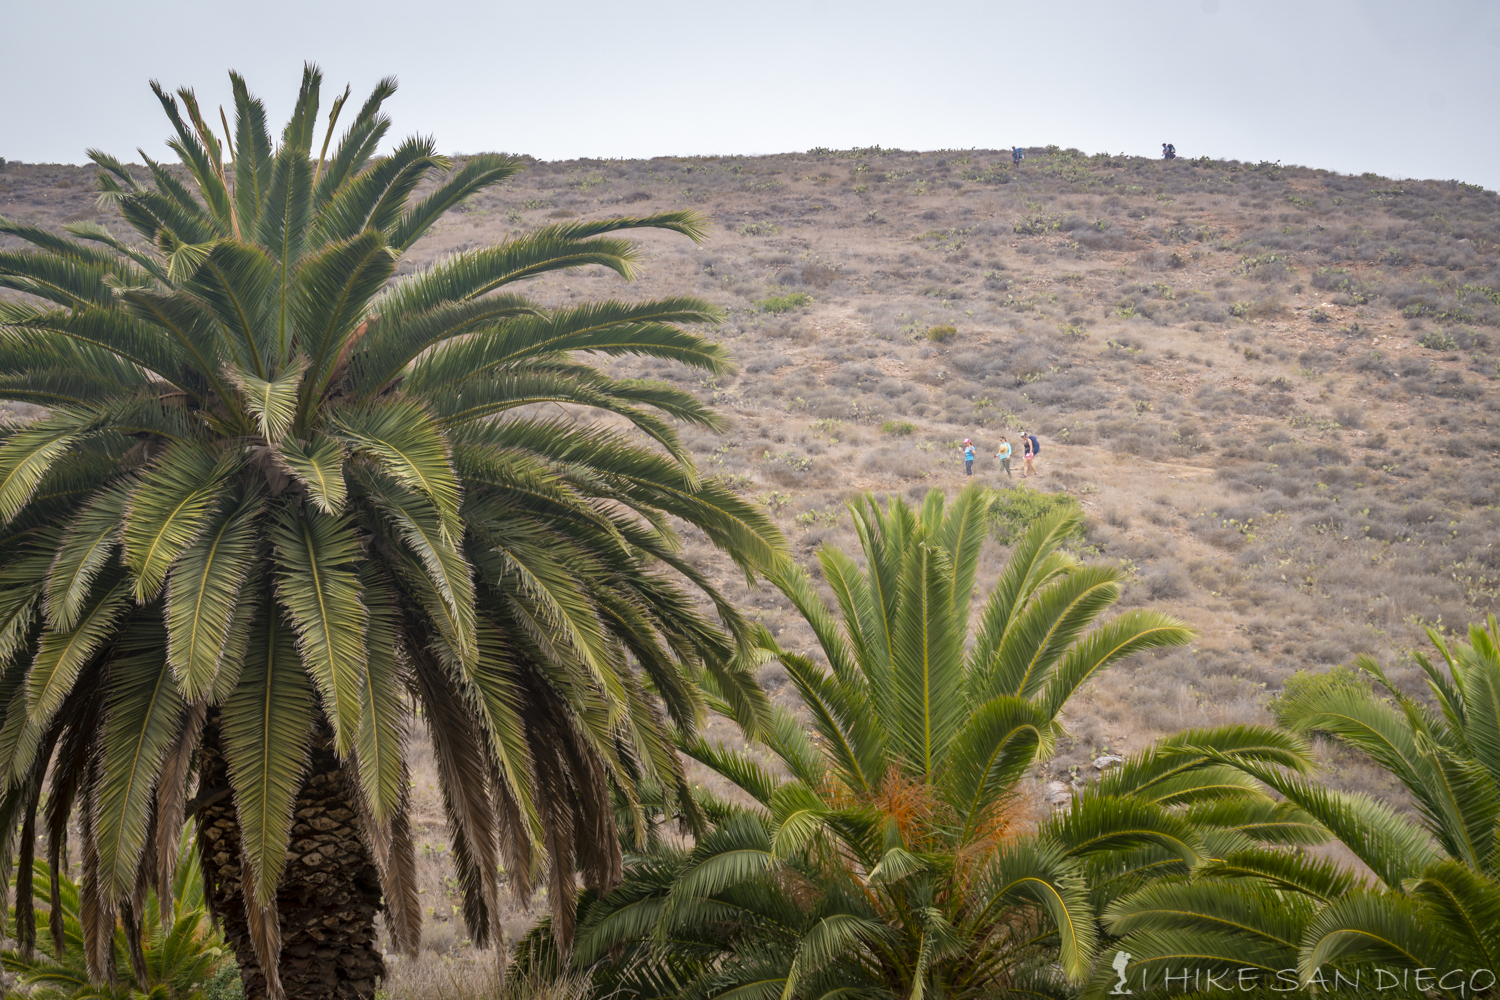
column 1429, row 894
column 177, row 959
column 890, row 861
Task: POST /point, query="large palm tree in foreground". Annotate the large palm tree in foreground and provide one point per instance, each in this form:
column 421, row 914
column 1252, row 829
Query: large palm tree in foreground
column 1428, row 895
column 281, row 501
column 891, row 860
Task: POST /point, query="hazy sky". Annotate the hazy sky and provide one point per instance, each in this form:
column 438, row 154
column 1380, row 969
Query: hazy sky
column 1408, row 89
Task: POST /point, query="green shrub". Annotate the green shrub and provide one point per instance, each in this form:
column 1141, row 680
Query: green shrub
column 831, row 426
column 900, row 428
column 942, row 334
column 1038, row 224
column 1305, row 684
column 784, row 303
column 1339, row 279
column 1438, row 340
column 1014, row 510
column 225, row 984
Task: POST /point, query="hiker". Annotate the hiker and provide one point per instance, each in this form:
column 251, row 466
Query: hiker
column 1168, row 151
column 1016, row 156
column 1004, row 455
column 1033, row 449
column 968, row 458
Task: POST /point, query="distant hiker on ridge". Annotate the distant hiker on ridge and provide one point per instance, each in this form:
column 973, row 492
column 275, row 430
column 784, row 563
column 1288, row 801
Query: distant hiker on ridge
column 1016, row 156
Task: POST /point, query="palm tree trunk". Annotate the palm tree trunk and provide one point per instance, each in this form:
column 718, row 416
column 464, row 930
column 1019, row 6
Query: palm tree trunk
column 329, row 893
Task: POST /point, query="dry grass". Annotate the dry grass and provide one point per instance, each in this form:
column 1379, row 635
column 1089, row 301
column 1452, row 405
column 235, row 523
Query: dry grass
column 475, row 977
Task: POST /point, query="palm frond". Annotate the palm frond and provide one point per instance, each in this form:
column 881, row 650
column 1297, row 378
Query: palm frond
column 1116, row 639
column 1393, row 847
column 1261, row 820
column 235, row 281
column 273, row 403
column 143, row 713
column 926, row 670
column 267, row 722
column 61, row 656
column 850, row 733
column 25, row 457
column 1460, row 802
column 1377, row 927
column 421, row 527
column 358, row 144
column 1043, row 875
column 381, row 738
column 365, row 201
column 1322, row 879
column 86, row 546
column 647, row 329
column 281, row 227
column 996, row 745
column 1034, row 562
column 1184, row 768
column 737, row 851
column 252, row 155
column 199, row 151
column 407, row 444
column 320, row 468
column 203, row 593
column 1096, row 823
column 477, row 173
column 740, row 769
column 460, row 755
column 168, row 510
column 334, row 288
column 1466, row 903
column 317, row 584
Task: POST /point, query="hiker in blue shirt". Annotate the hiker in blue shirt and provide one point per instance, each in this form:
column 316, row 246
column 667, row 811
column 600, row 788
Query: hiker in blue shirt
column 1016, row 156
column 1004, row 456
column 968, row 457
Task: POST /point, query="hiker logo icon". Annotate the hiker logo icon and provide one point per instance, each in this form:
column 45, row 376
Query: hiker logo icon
column 1120, row 964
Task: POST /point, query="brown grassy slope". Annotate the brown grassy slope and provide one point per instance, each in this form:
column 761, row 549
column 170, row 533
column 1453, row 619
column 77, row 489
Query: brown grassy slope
column 1274, row 389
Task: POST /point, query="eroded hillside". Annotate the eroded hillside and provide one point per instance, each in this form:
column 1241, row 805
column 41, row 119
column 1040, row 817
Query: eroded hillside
column 1273, row 389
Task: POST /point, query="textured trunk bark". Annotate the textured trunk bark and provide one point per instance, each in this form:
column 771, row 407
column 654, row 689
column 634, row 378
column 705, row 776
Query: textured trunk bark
column 329, row 893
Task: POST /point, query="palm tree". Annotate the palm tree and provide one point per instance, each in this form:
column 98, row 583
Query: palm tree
column 174, row 961
column 281, row 502
column 890, row 860
column 1428, row 896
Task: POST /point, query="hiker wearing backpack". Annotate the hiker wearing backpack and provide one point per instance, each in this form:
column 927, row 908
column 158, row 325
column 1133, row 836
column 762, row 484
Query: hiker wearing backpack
column 1016, row 156
column 1033, row 448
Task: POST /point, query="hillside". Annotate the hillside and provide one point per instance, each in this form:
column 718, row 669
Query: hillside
column 1275, row 390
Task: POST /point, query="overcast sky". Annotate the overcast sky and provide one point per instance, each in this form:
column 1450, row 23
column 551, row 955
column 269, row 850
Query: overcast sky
column 1407, row 89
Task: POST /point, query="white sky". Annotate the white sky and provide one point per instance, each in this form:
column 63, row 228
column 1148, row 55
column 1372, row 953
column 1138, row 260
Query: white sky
column 1407, row 89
